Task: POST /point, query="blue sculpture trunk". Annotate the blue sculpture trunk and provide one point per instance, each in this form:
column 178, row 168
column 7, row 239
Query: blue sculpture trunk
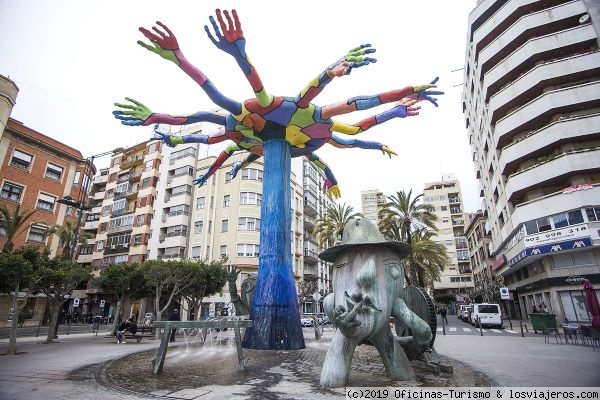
column 274, row 314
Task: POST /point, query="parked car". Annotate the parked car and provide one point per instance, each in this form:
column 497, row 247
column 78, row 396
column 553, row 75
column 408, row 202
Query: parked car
column 488, row 314
column 306, row 320
column 459, row 311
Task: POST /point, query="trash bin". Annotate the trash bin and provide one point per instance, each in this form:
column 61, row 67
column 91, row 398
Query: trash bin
column 539, row 321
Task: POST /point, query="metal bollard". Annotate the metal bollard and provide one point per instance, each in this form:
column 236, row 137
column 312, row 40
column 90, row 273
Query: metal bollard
column 510, row 322
column 480, row 327
column 521, row 323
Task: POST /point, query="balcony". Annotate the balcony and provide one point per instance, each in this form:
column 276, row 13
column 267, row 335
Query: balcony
column 461, row 243
column 553, row 172
column 544, row 22
column 310, row 237
column 543, row 107
column 122, row 211
column 310, row 208
column 116, row 249
column 539, row 47
column 454, row 200
column 132, row 161
column 130, row 177
column 564, row 130
column 310, row 256
column 455, row 210
column 458, row 222
column 170, row 256
column 131, row 192
column 309, row 222
column 532, row 83
column 310, row 271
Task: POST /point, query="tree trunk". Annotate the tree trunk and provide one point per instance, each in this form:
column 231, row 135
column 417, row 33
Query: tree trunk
column 12, row 342
column 157, row 310
column 54, row 315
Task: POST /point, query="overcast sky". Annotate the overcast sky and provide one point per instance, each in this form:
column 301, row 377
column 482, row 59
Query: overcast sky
column 73, row 59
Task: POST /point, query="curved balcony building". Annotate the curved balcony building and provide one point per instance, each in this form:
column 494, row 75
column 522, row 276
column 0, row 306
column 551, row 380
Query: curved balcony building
column 531, row 100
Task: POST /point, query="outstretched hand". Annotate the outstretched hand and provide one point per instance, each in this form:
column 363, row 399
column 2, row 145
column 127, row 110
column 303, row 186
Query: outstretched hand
column 134, row 114
column 231, row 40
column 355, row 58
column 165, row 43
column 331, row 189
column 236, row 168
column 406, row 108
column 201, row 180
column 163, row 137
column 388, row 151
column 232, row 274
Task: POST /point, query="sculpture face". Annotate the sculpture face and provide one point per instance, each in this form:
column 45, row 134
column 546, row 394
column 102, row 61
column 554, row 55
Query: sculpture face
column 368, row 279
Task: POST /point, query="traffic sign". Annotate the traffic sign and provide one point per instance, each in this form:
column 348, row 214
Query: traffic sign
column 504, row 293
column 76, row 303
column 101, row 303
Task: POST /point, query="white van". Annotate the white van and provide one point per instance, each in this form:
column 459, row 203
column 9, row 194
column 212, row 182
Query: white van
column 488, row 314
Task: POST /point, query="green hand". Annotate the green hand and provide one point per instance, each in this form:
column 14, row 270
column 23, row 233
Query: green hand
column 166, row 54
column 137, row 111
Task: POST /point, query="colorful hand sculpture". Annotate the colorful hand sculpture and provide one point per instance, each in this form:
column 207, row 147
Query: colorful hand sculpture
column 304, row 125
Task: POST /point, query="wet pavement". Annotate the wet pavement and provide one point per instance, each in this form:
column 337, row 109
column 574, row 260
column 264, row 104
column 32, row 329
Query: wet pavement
column 197, row 370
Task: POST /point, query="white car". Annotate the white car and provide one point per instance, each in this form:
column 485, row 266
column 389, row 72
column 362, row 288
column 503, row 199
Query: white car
column 306, row 321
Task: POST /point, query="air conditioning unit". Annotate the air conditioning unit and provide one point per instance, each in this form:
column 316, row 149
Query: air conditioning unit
column 113, row 247
column 125, row 244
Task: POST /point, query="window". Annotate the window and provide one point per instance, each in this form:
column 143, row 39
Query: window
column 119, row 205
column 248, row 224
column 250, row 198
column 99, row 245
column 137, row 239
column 77, row 178
column 228, row 177
column 196, row 251
column 45, row 202
column 575, row 217
column 444, row 208
column 148, row 165
column 226, row 200
column 223, row 251
column 200, row 202
column 252, row 174
column 248, row 250
column 37, row 233
column 593, row 214
column 12, row 192
column 198, row 226
column 577, row 259
column 54, row 172
column 152, row 147
column 139, row 220
column 225, row 225
column 21, row 160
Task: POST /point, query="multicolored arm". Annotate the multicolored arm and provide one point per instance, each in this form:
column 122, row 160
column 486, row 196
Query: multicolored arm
column 225, row 154
column 172, row 140
column 165, row 45
column 346, row 143
column 138, row 114
column 353, row 59
column 232, row 42
column 404, row 108
column 366, row 102
column 330, row 186
column 238, row 165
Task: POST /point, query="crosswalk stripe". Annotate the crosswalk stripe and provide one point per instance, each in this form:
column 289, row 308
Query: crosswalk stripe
column 467, row 329
column 452, row 329
column 439, row 329
column 496, row 330
column 509, row 331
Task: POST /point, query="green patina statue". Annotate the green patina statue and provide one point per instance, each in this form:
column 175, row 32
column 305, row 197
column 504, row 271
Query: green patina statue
column 368, row 281
column 243, row 302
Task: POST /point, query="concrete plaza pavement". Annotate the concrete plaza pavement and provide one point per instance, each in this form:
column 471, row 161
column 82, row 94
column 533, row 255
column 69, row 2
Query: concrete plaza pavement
column 72, row 367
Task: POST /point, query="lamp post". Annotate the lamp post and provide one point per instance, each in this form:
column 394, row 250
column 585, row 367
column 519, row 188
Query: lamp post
column 80, row 204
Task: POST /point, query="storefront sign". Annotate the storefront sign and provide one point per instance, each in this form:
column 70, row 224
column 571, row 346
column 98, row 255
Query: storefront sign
column 570, row 232
column 576, row 279
column 498, row 262
column 550, row 248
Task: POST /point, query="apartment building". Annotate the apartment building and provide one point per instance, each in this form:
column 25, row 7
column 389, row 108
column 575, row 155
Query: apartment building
column 8, row 98
column 446, row 199
column 531, row 100
column 121, row 201
column 484, row 280
column 35, row 172
column 316, row 204
column 371, row 202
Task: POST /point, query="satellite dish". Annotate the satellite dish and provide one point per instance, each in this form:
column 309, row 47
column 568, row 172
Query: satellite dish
column 584, row 18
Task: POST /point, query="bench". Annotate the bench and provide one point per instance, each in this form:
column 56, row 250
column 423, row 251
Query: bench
column 234, row 322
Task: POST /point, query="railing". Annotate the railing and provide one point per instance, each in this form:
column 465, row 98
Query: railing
column 122, row 211
column 130, row 161
column 311, row 254
column 453, row 200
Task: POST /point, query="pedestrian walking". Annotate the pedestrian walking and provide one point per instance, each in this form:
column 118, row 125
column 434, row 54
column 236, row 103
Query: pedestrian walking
column 443, row 313
column 174, row 317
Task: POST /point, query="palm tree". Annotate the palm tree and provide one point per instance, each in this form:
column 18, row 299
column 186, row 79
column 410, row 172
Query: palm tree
column 430, row 257
column 401, row 216
column 330, row 228
column 65, row 234
column 13, row 223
